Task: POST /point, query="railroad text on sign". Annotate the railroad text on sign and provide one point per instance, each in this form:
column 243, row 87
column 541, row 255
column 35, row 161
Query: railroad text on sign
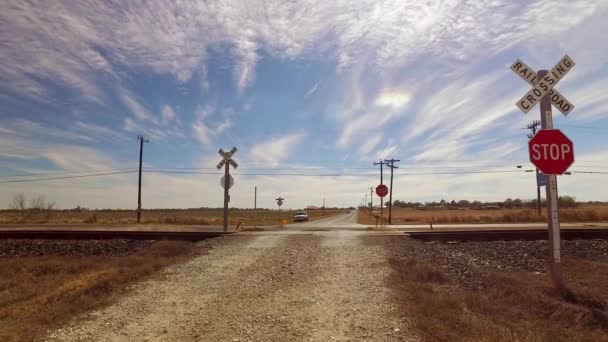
column 529, row 75
column 545, row 85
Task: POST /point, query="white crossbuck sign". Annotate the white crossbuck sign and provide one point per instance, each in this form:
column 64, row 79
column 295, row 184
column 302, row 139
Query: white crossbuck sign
column 544, row 86
column 227, row 158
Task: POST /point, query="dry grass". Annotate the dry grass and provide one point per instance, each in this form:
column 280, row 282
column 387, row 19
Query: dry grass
column 512, row 306
column 39, row 293
column 160, row 216
column 416, row 216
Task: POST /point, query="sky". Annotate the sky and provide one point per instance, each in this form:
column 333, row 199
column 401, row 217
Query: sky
column 310, row 92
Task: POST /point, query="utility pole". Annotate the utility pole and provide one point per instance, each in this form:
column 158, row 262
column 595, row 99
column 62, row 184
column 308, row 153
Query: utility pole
column 255, row 198
column 381, row 163
column 323, row 206
column 371, row 200
column 546, row 119
column 533, row 126
column 381, row 182
column 227, row 183
column 141, row 153
column 391, row 164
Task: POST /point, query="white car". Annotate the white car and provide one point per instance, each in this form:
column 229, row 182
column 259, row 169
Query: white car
column 300, row 216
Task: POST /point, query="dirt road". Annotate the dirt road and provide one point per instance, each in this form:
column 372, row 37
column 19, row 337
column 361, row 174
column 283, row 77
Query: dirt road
column 287, row 285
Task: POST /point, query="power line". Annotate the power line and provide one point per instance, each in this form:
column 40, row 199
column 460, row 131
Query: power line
column 337, row 174
column 288, row 174
column 65, row 172
column 65, row 177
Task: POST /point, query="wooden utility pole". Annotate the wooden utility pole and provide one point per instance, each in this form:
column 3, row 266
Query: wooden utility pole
column 323, row 206
column 546, row 119
column 543, row 91
column 141, row 153
column 227, row 181
column 371, row 200
column 255, row 198
column 391, row 163
column 381, row 182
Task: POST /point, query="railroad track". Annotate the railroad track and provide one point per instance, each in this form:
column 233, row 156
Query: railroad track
column 506, row 235
column 108, row 234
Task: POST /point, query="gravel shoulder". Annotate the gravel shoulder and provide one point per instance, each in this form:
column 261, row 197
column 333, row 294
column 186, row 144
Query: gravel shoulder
column 315, row 287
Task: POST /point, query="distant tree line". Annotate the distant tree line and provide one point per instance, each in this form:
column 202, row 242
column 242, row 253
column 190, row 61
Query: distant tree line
column 509, row 203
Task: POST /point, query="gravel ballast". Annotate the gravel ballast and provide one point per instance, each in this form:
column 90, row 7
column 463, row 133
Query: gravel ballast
column 463, row 260
column 114, row 247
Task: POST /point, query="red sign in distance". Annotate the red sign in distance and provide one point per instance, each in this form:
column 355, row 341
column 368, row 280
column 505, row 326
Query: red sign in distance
column 551, row 151
column 381, row 190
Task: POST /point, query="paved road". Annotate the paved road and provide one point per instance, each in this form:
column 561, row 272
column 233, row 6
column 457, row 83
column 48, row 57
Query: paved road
column 325, row 285
column 342, row 221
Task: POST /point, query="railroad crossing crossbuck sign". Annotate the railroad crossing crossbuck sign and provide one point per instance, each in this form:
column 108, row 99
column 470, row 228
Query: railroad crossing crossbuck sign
column 544, row 86
column 227, row 158
column 551, row 151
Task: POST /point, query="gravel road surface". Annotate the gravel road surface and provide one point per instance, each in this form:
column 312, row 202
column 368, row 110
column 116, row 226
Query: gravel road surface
column 315, row 286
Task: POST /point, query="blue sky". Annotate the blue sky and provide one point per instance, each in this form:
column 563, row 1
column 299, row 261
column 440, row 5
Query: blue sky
column 305, row 87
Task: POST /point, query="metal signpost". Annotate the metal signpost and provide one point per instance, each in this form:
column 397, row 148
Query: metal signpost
column 381, row 191
column 280, row 202
column 541, row 180
column 543, row 91
column 226, row 162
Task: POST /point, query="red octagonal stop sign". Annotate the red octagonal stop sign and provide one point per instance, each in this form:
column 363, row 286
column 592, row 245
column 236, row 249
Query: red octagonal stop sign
column 551, row 151
column 381, row 190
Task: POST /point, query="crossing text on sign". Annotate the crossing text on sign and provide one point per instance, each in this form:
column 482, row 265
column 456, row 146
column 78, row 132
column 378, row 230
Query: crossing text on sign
column 544, row 85
column 530, row 76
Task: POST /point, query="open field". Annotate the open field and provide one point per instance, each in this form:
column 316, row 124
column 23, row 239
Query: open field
column 45, row 283
column 500, row 291
column 156, row 216
column 596, row 213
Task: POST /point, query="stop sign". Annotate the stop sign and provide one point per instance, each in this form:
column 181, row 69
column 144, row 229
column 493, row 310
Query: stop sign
column 381, row 190
column 551, row 151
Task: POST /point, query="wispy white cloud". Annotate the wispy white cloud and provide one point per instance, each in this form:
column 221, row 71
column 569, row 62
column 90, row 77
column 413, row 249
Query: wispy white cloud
column 312, row 89
column 168, row 114
column 275, row 150
column 203, row 130
column 202, row 133
column 386, row 106
column 68, row 43
column 139, row 111
column 222, row 126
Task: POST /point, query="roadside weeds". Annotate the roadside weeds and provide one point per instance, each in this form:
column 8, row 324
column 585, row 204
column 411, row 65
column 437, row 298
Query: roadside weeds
column 38, row 293
column 509, row 306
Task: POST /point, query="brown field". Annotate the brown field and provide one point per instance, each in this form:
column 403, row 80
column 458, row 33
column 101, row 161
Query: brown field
column 246, row 217
column 504, row 306
column 40, row 292
column 596, row 213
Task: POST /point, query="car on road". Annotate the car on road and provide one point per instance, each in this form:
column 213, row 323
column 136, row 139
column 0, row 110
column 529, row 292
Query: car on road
column 300, row 216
